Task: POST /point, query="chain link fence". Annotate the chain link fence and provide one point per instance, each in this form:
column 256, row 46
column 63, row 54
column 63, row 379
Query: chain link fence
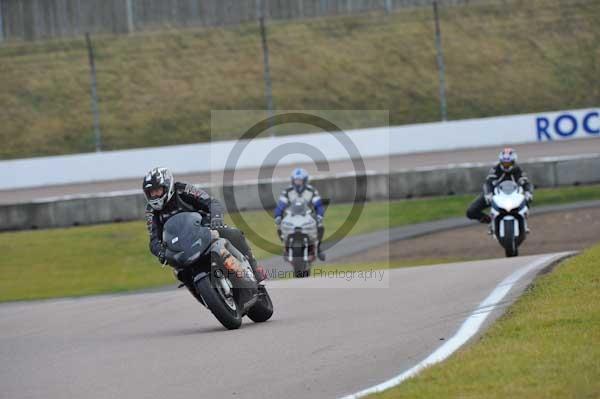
column 159, row 87
column 43, row 19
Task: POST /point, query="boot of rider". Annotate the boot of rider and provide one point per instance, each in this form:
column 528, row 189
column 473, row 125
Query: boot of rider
column 320, row 253
column 238, row 240
column 320, row 234
column 259, row 272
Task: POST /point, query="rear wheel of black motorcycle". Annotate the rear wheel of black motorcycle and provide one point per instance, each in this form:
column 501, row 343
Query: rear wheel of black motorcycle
column 263, row 308
column 223, row 308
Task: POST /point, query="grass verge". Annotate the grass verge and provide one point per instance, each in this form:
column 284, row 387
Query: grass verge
column 546, row 346
column 114, row 257
column 502, row 57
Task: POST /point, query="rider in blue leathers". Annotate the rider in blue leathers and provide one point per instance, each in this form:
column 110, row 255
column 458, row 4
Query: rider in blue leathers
column 301, row 189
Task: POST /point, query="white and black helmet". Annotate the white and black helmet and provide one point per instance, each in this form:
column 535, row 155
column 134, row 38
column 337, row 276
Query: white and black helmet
column 155, row 179
column 507, row 159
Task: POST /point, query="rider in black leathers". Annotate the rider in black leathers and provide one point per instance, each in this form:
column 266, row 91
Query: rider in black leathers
column 166, row 198
column 505, row 169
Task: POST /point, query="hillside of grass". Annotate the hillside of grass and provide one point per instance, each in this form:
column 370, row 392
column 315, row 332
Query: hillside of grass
column 546, row 346
column 502, row 57
column 114, row 257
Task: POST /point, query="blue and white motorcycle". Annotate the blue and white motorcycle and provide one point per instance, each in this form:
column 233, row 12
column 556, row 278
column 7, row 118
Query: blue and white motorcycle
column 298, row 231
column 510, row 210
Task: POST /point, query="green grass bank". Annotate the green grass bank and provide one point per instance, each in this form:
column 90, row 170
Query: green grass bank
column 502, row 57
column 114, row 257
column 546, row 346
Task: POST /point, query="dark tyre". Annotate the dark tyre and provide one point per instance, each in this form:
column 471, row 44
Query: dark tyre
column 220, row 302
column 301, row 268
column 263, row 308
column 510, row 241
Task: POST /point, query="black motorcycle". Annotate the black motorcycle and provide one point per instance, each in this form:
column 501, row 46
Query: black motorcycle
column 216, row 273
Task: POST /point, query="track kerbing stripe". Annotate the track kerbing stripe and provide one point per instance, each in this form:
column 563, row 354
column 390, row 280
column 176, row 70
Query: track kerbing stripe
column 467, row 330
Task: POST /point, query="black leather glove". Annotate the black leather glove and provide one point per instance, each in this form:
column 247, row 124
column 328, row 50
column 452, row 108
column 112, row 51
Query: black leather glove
column 488, row 198
column 319, row 220
column 162, row 257
column 162, row 254
column 216, row 222
column 528, row 197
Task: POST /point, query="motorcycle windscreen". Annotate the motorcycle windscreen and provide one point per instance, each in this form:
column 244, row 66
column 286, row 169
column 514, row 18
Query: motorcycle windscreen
column 185, row 238
column 508, row 187
column 299, row 208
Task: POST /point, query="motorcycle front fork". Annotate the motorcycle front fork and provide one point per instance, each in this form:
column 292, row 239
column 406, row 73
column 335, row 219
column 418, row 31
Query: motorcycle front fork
column 492, row 224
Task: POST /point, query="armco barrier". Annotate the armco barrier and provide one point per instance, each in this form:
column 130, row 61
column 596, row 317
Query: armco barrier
column 338, row 189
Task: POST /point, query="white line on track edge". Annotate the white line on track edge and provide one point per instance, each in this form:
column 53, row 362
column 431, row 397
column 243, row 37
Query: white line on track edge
column 467, row 330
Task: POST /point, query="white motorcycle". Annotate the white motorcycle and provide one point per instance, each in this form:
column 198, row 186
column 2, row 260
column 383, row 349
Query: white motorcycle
column 298, row 231
column 509, row 214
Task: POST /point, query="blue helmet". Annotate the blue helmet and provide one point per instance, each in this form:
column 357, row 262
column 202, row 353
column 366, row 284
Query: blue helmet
column 299, row 179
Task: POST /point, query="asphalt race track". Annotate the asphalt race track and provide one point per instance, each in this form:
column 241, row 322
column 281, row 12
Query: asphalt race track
column 408, row 161
column 329, row 336
column 357, row 248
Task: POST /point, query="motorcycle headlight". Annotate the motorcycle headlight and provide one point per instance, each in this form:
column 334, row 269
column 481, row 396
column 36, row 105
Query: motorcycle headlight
column 496, row 207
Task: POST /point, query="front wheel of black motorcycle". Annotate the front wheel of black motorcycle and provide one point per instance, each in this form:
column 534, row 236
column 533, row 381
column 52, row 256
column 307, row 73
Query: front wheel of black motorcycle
column 263, row 308
column 221, row 304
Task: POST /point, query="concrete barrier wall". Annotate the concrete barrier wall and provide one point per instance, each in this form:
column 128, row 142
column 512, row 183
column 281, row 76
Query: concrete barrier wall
column 339, row 189
column 375, row 142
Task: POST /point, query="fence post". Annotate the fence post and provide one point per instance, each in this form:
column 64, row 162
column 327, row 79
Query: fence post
column 130, row 25
column 388, row 6
column 95, row 109
column 266, row 62
column 440, row 62
column 1, row 24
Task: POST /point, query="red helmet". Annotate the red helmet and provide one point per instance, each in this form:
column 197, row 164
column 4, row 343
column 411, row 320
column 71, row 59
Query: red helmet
column 508, row 159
